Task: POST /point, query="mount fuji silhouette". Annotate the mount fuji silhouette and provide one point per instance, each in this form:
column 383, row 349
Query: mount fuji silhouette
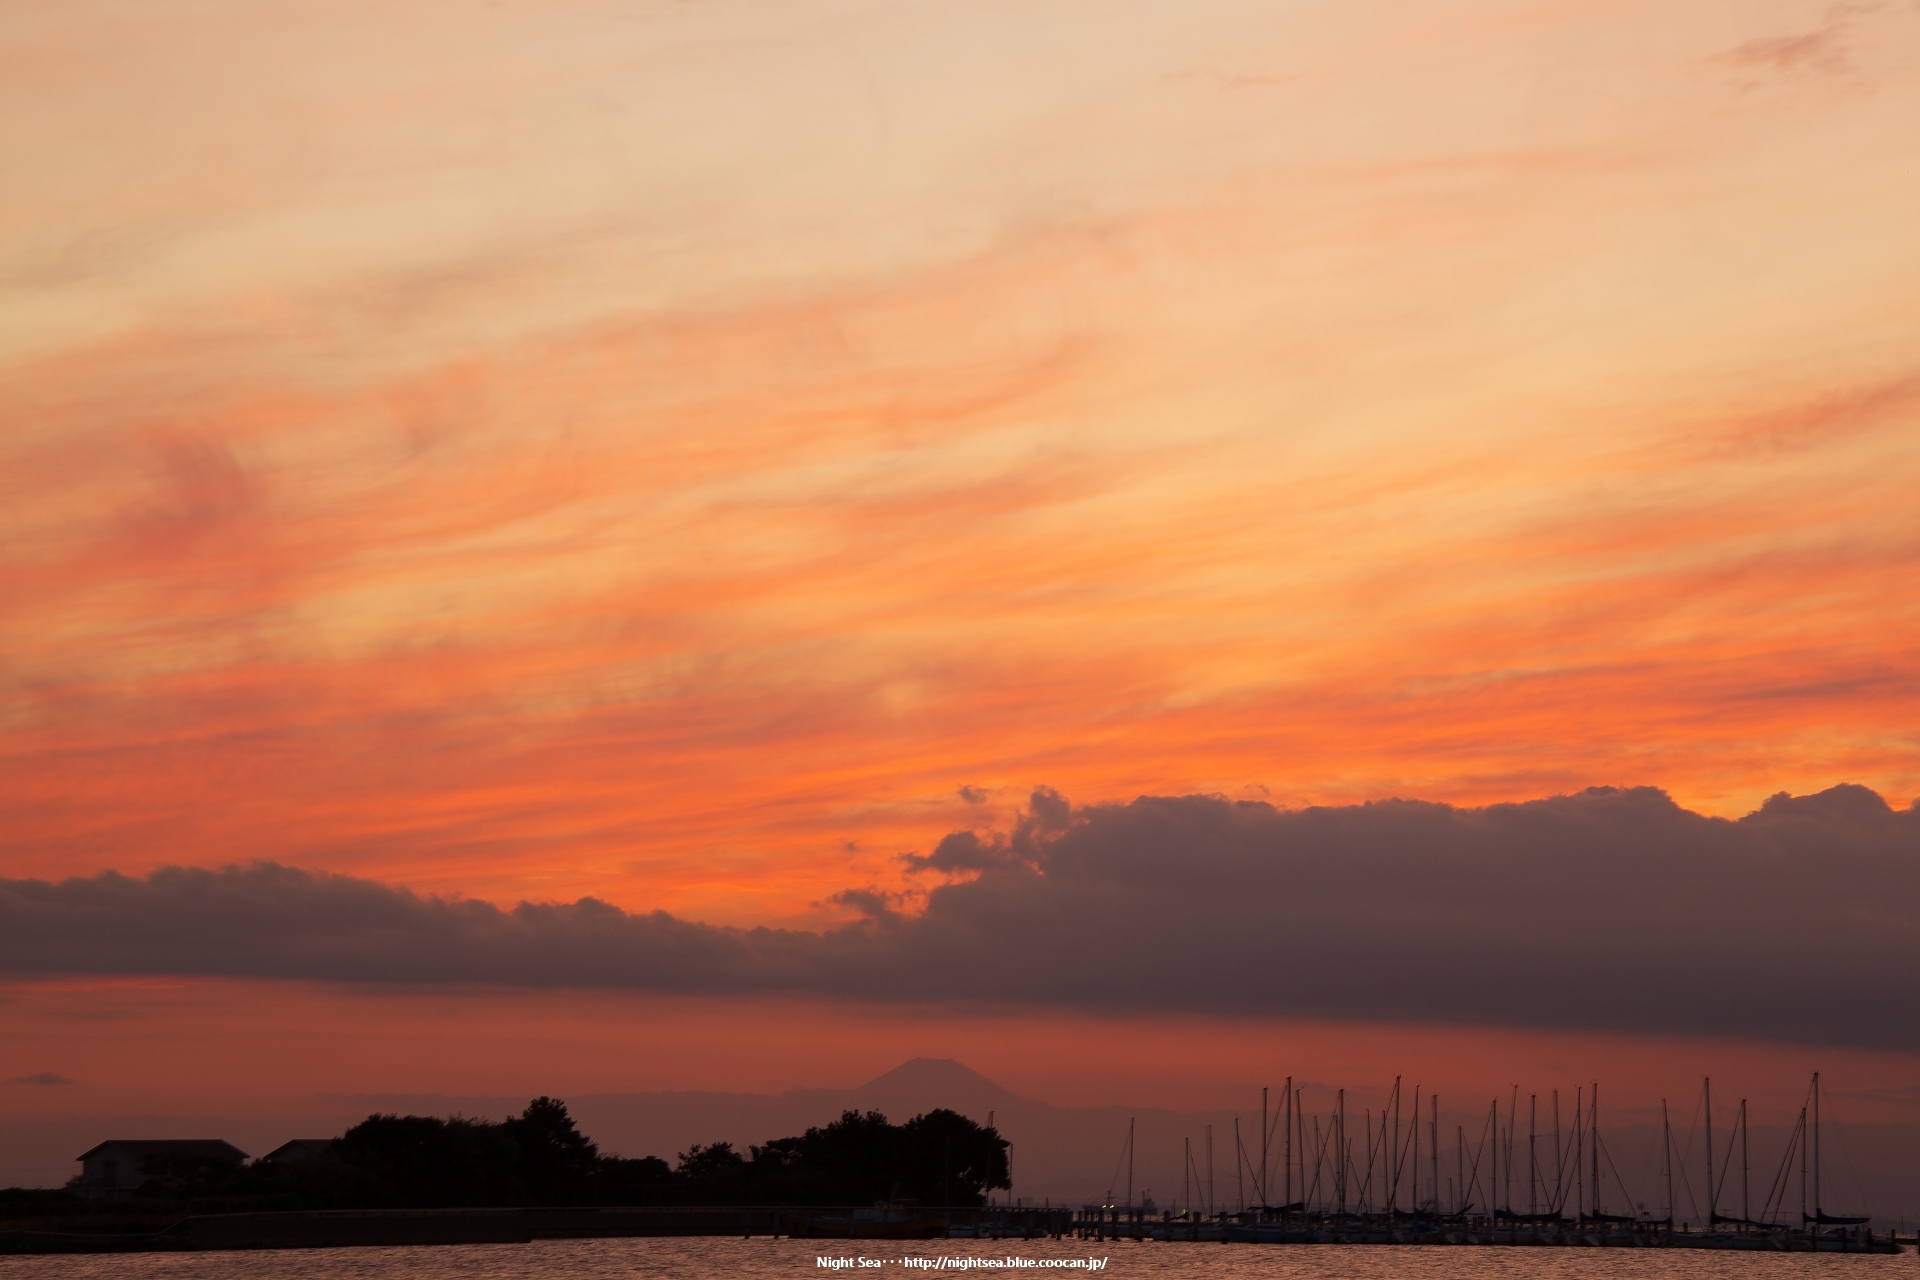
column 938, row 1073
column 921, row 1084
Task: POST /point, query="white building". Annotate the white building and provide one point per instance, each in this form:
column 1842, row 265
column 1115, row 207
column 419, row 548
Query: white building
column 120, row 1166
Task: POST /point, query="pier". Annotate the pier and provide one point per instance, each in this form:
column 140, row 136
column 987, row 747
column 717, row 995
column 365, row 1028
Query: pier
column 1381, row 1182
column 1263, row 1226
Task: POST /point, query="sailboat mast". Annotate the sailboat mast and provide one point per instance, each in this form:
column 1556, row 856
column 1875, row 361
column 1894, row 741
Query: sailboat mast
column 1712, row 1203
column 1666, row 1152
column 1366, row 1183
column 1746, row 1209
column 1492, row 1167
column 1559, row 1160
column 1460, row 1168
column 1239, row 1163
column 1803, row 1168
column 1340, row 1148
column 1416, row 1148
column 1300, row 1148
column 1493, row 1159
column 1579, row 1149
column 1393, row 1175
column 1595, row 1126
column 1817, row 1210
column 1286, row 1153
column 1130, row 1163
column 1300, row 1143
column 1319, row 1158
column 1513, row 1114
column 1433, row 1140
column 1533, row 1153
column 1262, row 1188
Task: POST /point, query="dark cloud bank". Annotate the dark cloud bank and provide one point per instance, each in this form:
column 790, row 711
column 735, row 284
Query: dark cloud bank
column 1607, row 910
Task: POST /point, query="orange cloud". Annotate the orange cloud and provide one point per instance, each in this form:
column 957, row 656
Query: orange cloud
column 681, row 496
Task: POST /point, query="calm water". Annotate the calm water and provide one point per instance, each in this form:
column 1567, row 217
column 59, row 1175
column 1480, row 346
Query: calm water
column 709, row 1258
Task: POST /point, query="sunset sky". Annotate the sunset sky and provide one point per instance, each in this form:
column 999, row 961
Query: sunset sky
column 691, row 455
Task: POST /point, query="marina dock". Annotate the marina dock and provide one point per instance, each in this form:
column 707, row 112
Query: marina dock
column 1268, row 1227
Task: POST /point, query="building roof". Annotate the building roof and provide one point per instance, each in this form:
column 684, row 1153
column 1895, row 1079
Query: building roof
column 212, row 1148
column 298, row 1149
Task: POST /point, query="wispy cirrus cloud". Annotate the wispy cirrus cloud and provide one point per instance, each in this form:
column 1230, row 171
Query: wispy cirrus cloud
column 466, row 474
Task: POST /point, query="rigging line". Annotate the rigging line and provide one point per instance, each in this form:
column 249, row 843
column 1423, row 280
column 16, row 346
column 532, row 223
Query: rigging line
column 1390, row 1164
column 1558, row 1203
column 1479, row 1149
column 1321, row 1143
column 1320, row 1161
column 1686, row 1152
column 1569, row 1159
column 1119, row 1160
column 1726, row 1165
column 1400, row 1157
column 1513, row 1114
column 1198, row 1184
column 1319, row 1154
column 1377, row 1151
column 1809, row 1127
column 1783, row 1179
column 1575, row 1162
column 1651, row 1174
column 1618, row 1181
column 1693, row 1205
column 1389, row 1184
column 1266, row 1143
column 1692, row 1124
column 1246, row 1163
column 1373, row 1151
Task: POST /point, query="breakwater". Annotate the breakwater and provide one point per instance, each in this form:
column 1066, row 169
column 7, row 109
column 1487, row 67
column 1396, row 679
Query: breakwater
column 1257, row 1227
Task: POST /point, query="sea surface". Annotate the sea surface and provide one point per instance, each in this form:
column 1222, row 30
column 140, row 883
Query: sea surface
column 714, row 1258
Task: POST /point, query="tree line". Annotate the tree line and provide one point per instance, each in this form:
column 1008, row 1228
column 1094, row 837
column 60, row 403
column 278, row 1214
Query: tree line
column 540, row 1157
